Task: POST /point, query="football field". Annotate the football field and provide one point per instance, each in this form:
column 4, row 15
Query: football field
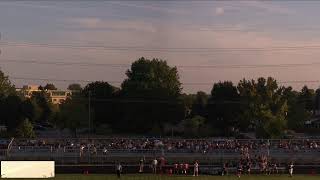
column 164, row 177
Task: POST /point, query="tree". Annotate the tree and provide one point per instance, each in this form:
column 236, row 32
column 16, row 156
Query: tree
column 247, row 115
column 49, row 87
column 224, row 107
column 6, row 88
column 11, row 105
column 188, row 101
column 28, row 109
column 75, row 87
column 271, row 126
column 152, row 78
column 297, row 114
column 199, row 106
column 307, row 97
column 192, row 126
column 152, row 90
column 73, row 115
column 263, row 106
column 44, row 109
column 317, row 100
column 103, row 102
column 12, row 112
column 100, row 89
column 25, row 130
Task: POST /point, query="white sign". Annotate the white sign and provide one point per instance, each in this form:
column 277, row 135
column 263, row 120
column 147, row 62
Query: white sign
column 27, row 169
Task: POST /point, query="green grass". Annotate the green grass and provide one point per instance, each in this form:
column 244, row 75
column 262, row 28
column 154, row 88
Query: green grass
column 158, row 177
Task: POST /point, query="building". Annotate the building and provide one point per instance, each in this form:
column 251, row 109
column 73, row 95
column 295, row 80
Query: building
column 27, row 90
column 56, row 96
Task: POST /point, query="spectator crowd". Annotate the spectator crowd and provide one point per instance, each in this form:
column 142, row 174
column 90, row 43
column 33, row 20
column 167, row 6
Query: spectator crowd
column 244, row 147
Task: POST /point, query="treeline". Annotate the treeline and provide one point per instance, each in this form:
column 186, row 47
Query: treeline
column 19, row 114
column 150, row 101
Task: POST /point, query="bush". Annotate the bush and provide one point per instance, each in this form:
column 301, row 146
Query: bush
column 103, row 129
column 25, row 129
column 192, row 126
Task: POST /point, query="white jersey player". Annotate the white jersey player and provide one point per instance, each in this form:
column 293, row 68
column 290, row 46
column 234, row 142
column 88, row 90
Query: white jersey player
column 141, row 164
column 154, row 165
column 196, row 169
column 291, row 169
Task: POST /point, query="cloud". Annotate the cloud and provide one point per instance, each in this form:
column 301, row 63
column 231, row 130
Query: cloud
column 268, row 6
column 171, row 37
column 93, row 23
column 29, row 4
column 219, row 11
column 236, row 27
column 149, row 7
column 85, row 22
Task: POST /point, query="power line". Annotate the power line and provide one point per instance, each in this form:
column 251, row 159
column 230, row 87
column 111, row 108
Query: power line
column 162, row 49
column 61, row 63
column 240, row 100
column 57, row 80
column 111, row 65
column 89, row 81
column 139, row 100
column 250, row 29
column 177, row 101
column 302, row 81
column 184, row 83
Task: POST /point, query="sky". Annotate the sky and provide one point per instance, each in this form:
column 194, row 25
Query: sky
column 187, row 34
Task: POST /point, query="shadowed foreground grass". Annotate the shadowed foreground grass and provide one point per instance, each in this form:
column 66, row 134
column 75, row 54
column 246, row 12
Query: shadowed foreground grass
column 152, row 177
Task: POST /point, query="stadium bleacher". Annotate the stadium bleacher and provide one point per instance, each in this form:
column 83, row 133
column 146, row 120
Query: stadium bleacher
column 210, row 152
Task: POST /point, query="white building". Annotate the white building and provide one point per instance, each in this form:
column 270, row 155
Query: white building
column 56, row 96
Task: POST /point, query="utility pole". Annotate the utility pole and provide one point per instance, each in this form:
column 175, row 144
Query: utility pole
column 89, row 118
column 89, row 124
column 171, row 132
column 0, row 40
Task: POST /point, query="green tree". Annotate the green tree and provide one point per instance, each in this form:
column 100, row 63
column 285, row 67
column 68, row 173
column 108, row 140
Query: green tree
column 103, row 103
column 307, row 98
column 247, row 115
column 28, row 109
column 188, row 101
column 151, row 78
column 317, row 100
column 263, row 106
column 199, row 106
column 297, row 113
column 6, row 88
column 44, row 109
column 25, row 130
column 192, row 126
column 12, row 112
column 271, row 126
column 73, row 115
column 100, row 89
column 224, row 107
column 49, row 87
column 75, row 87
column 151, row 91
